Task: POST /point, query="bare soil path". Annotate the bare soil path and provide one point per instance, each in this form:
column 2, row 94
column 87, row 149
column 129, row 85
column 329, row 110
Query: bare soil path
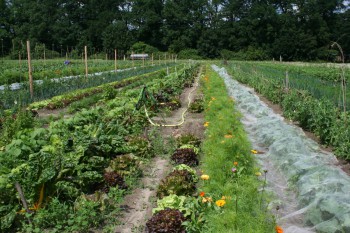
column 137, row 207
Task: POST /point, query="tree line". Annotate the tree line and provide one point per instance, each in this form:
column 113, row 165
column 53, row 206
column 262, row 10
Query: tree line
column 242, row 29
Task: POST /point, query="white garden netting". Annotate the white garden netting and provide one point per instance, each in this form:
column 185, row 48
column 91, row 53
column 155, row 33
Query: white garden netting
column 312, row 193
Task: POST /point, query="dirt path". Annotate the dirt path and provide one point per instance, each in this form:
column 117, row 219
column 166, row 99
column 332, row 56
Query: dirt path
column 138, row 205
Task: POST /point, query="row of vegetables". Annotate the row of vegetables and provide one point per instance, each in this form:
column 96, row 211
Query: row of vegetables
column 49, row 88
column 320, row 116
column 215, row 185
column 303, row 78
column 324, row 72
column 70, row 176
column 13, row 71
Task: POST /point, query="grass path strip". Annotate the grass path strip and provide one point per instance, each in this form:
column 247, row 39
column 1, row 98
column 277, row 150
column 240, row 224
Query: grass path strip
column 233, row 182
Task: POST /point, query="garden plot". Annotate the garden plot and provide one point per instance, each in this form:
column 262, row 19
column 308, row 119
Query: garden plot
column 316, row 197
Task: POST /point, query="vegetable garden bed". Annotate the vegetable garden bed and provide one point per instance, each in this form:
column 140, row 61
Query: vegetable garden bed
column 74, row 173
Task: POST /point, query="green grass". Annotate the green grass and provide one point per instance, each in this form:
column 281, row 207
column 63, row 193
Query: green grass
column 243, row 211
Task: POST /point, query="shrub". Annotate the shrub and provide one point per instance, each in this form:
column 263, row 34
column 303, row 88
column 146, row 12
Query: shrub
column 141, row 47
column 227, row 54
column 189, row 54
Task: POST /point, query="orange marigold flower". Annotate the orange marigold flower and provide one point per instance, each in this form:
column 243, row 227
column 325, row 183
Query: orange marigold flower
column 202, row 194
column 235, row 163
column 228, row 136
column 279, row 229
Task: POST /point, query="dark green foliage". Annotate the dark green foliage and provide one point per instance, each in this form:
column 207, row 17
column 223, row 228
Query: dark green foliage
column 179, row 182
column 141, row 147
column 113, row 179
column 185, row 156
column 189, row 54
column 126, row 165
column 192, row 29
column 141, row 47
column 197, row 106
column 109, row 92
column 188, row 139
column 168, row 220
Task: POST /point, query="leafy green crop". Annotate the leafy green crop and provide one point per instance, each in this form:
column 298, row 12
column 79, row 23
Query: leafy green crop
column 63, row 168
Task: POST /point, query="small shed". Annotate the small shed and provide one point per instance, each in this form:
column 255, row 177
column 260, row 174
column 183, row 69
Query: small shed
column 140, row 56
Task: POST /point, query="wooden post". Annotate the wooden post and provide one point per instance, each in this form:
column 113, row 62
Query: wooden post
column 287, row 81
column 132, row 57
column 44, row 55
column 343, row 79
column 19, row 61
column 106, row 57
column 30, row 71
column 86, row 64
column 115, row 60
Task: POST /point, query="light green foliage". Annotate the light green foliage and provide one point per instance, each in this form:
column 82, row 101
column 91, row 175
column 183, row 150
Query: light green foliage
column 173, row 202
column 189, row 146
column 189, row 169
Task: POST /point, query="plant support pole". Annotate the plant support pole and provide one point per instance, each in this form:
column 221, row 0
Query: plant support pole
column 86, row 65
column 115, row 60
column 30, row 71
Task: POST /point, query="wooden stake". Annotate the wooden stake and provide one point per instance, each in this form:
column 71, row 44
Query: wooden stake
column 132, row 57
column 343, row 79
column 115, row 60
column 287, row 81
column 30, row 71
column 86, row 64
column 19, row 61
column 44, row 55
